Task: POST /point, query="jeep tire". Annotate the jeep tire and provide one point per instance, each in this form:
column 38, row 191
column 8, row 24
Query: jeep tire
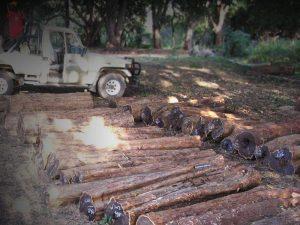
column 111, row 86
column 6, row 84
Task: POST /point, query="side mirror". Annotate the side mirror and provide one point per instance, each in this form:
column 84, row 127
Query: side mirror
column 83, row 51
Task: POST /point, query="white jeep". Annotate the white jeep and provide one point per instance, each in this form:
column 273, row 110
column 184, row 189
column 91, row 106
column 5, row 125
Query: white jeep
column 55, row 56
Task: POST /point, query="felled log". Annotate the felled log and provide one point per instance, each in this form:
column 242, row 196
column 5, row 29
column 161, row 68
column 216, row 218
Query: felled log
column 62, row 195
column 205, row 168
column 189, row 124
column 56, row 155
column 290, row 216
column 281, row 154
column 152, row 201
column 41, row 122
column 245, row 142
column 217, row 129
column 50, row 102
column 230, row 202
column 272, row 69
column 163, row 162
column 121, row 133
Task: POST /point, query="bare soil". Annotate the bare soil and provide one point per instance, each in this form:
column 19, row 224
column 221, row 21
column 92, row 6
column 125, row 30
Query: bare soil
column 23, row 192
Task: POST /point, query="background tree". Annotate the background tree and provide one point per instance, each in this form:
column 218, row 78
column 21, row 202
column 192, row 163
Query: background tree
column 193, row 11
column 159, row 18
column 218, row 10
column 117, row 14
column 261, row 17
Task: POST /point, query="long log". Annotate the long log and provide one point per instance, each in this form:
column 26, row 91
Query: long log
column 228, row 202
column 240, row 215
column 205, row 168
column 121, row 133
column 290, row 216
column 285, row 141
column 245, row 142
column 239, row 179
column 62, row 195
column 49, row 102
column 61, row 157
column 97, row 171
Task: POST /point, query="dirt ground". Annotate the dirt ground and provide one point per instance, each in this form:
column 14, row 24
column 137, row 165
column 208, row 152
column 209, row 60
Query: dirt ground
column 22, row 192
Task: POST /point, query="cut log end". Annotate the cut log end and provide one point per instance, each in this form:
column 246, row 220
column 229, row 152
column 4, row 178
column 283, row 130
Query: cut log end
column 86, row 206
column 227, row 146
column 280, row 162
column 146, row 115
column 114, row 210
column 245, row 145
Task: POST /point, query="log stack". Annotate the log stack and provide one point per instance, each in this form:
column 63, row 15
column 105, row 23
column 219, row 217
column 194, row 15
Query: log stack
column 138, row 173
column 240, row 208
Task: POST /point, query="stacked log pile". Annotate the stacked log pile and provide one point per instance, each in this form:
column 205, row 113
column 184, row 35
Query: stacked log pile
column 155, row 171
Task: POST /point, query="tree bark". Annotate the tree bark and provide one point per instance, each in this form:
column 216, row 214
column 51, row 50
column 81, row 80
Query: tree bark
column 163, row 162
column 188, row 40
column 207, row 167
column 153, row 201
column 57, row 156
column 245, row 141
column 288, row 217
column 240, row 215
column 224, row 203
column 50, row 102
column 62, row 195
column 156, row 38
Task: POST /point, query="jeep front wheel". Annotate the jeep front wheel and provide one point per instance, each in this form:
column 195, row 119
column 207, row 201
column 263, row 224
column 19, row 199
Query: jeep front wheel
column 111, row 86
column 6, row 84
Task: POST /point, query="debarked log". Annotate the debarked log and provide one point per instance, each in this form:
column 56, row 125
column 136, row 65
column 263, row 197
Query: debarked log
column 229, row 202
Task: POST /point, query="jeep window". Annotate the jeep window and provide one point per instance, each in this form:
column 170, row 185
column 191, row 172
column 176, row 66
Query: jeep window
column 74, row 46
column 57, row 40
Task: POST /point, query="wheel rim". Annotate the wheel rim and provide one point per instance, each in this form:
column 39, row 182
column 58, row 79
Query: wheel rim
column 112, row 87
column 3, row 86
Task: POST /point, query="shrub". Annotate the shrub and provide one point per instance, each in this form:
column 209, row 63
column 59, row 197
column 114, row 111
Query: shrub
column 276, row 51
column 237, row 44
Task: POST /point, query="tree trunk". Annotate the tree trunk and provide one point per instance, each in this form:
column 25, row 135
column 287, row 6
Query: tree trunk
column 171, row 196
column 163, row 162
column 50, row 102
column 62, row 195
column 156, row 37
column 58, row 157
column 224, row 203
column 219, row 38
column 29, row 127
column 245, row 142
column 287, row 217
column 179, row 177
column 188, row 40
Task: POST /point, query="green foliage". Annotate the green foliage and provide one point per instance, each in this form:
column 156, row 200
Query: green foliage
column 237, row 44
column 276, row 51
column 106, row 220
